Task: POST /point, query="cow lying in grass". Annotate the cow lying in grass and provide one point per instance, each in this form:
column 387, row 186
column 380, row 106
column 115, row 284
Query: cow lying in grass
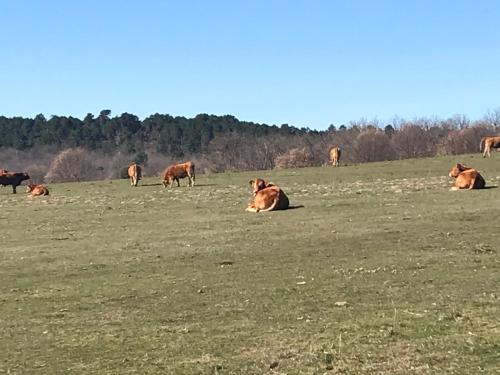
column 267, row 197
column 177, row 171
column 13, row 179
column 466, row 178
column 259, row 184
column 37, row 190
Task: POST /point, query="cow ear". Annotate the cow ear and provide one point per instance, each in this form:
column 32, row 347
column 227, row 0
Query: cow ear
column 250, row 182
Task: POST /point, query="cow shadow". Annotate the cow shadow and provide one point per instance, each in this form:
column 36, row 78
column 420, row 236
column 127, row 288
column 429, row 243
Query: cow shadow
column 490, row 187
column 294, row 207
column 155, row 184
column 204, row 185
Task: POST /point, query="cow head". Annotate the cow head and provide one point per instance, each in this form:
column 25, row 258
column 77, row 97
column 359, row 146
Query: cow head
column 257, row 185
column 457, row 169
column 168, row 180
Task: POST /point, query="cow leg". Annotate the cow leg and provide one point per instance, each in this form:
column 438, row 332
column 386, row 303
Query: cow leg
column 14, row 189
column 178, row 183
column 472, row 183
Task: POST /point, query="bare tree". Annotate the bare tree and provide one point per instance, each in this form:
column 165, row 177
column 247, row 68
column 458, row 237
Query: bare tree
column 373, row 145
column 74, row 164
column 493, row 118
column 412, row 141
column 463, row 141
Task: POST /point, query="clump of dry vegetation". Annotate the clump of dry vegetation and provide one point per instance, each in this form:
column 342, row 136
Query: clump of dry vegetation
column 295, row 158
column 74, row 164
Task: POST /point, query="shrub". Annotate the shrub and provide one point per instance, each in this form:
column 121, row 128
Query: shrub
column 295, row 158
column 74, row 164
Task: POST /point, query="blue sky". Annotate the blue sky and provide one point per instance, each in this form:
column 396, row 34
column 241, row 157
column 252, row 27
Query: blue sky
column 305, row 63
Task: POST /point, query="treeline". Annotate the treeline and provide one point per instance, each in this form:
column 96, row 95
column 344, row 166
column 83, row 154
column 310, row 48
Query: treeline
column 176, row 136
column 220, row 143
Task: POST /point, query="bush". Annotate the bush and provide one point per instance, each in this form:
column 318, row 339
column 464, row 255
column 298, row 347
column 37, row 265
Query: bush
column 74, row 164
column 295, row 158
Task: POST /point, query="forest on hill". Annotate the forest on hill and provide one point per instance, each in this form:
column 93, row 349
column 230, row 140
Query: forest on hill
column 221, row 143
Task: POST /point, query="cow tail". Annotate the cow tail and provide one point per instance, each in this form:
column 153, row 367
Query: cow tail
column 273, row 206
column 193, row 173
column 481, row 144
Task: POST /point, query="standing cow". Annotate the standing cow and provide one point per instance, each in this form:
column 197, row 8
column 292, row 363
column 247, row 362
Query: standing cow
column 13, row 179
column 134, row 173
column 334, row 156
column 489, row 143
column 177, row 171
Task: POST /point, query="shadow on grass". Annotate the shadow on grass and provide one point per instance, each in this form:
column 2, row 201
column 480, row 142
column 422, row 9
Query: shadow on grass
column 490, row 187
column 295, row 207
column 156, row 184
column 205, row 185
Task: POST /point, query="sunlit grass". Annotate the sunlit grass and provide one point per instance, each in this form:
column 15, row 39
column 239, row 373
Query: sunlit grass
column 383, row 270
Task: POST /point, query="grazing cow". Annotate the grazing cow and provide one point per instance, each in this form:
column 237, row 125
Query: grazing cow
column 334, row 156
column 466, row 178
column 267, row 197
column 135, row 173
column 36, row 190
column 259, row 184
column 489, row 143
column 13, row 179
column 176, row 171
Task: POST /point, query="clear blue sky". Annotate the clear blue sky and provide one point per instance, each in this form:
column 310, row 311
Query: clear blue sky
column 306, row 63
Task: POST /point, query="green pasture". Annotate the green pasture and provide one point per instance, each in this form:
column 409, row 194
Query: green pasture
column 379, row 269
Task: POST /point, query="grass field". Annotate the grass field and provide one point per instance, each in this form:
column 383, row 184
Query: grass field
column 382, row 271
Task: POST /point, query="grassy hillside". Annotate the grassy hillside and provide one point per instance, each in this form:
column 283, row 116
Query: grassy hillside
column 383, row 270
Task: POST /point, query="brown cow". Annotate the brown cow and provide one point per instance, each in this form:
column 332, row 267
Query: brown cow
column 259, row 184
column 489, row 143
column 135, row 174
column 466, row 178
column 267, row 197
column 13, row 179
column 36, row 190
column 334, row 156
column 176, row 171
